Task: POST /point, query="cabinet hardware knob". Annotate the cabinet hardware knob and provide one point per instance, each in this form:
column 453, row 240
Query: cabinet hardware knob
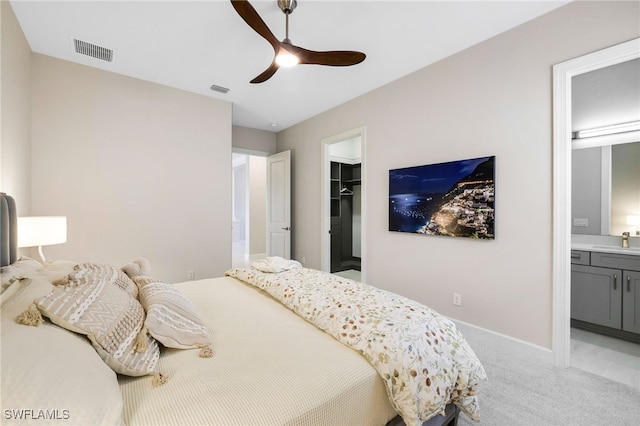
column 615, row 279
column 628, row 283
column 286, row 228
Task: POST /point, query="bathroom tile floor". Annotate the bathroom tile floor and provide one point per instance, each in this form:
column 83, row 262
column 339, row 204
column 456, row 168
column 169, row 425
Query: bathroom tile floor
column 606, row 356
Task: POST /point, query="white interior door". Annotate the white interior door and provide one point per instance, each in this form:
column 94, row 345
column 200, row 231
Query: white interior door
column 279, row 205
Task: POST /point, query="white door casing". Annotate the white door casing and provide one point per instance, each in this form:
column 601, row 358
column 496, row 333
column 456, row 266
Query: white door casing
column 279, row 205
column 562, row 74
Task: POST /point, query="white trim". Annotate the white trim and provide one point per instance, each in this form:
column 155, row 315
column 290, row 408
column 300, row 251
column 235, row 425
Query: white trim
column 504, row 336
column 325, row 194
column 562, row 74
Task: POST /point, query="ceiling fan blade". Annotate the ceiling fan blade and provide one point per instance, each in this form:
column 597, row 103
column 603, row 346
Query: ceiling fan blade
column 251, row 17
column 336, row 58
column 266, row 74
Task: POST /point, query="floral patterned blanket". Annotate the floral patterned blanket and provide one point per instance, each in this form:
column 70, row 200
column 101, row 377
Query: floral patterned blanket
column 422, row 357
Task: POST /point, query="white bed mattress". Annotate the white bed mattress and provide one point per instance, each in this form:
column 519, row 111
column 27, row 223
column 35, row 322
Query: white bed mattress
column 270, row 368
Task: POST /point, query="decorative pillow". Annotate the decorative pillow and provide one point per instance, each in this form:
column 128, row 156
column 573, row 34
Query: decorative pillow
column 137, row 267
column 171, row 317
column 110, row 317
column 95, row 272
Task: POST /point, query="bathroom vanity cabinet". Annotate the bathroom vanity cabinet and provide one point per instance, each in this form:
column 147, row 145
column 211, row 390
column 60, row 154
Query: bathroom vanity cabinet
column 605, row 293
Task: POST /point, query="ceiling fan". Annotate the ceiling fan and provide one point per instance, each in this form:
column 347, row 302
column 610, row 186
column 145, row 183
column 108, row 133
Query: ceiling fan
column 285, row 53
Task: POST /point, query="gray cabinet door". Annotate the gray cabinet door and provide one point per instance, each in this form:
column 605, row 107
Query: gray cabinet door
column 596, row 295
column 631, row 301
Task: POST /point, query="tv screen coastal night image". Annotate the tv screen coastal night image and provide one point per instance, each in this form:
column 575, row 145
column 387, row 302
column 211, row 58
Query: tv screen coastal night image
column 455, row 199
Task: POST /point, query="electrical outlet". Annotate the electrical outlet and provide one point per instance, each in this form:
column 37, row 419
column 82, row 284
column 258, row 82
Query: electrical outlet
column 580, row 222
column 191, row 274
column 457, row 299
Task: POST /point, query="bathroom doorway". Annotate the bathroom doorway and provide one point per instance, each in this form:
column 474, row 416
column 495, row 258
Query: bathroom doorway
column 563, row 74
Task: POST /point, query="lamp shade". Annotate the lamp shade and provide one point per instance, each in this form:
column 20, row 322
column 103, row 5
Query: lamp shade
column 41, row 230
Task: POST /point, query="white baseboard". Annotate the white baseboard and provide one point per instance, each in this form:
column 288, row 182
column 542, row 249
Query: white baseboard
column 504, row 336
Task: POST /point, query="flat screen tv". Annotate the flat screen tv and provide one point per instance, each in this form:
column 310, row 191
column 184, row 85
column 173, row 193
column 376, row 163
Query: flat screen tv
column 455, row 199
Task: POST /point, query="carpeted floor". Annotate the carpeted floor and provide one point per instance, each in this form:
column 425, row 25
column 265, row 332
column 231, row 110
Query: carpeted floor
column 524, row 388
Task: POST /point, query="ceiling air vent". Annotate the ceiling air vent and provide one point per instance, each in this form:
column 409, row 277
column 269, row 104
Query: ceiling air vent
column 93, row 50
column 220, row 89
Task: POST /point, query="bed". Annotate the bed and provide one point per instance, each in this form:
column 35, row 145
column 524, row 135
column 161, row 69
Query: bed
column 277, row 344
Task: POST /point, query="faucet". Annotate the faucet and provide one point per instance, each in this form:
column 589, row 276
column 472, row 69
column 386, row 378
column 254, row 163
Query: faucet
column 625, row 240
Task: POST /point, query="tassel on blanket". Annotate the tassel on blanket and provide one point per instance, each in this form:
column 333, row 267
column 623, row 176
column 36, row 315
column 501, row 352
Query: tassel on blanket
column 206, row 352
column 141, row 340
column 31, row 316
column 159, row 379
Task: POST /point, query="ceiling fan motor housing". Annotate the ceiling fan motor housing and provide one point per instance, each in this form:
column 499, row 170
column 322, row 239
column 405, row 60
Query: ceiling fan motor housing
column 287, row 6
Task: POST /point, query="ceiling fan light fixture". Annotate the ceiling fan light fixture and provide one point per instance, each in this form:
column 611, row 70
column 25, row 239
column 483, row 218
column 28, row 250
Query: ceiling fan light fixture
column 287, row 60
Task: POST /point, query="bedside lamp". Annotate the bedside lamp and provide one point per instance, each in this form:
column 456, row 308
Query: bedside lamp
column 41, row 231
column 634, row 219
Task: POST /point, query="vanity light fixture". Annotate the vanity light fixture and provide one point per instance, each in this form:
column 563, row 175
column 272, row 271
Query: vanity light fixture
column 632, row 126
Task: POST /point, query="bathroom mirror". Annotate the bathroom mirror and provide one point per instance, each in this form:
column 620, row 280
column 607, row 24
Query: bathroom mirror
column 605, row 189
column 606, row 170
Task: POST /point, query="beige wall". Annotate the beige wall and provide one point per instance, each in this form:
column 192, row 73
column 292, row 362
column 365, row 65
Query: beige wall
column 254, row 140
column 139, row 169
column 492, row 99
column 15, row 115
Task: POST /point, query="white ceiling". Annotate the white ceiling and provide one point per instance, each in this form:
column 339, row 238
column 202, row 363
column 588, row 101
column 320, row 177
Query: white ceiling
column 191, row 45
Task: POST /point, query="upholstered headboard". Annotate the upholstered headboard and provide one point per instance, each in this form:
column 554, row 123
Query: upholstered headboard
column 8, row 230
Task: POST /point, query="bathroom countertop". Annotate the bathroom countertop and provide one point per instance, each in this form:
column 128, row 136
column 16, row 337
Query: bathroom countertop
column 603, row 248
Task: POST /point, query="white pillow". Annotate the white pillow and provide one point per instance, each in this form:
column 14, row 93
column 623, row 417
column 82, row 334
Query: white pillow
column 22, row 268
column 49, row 371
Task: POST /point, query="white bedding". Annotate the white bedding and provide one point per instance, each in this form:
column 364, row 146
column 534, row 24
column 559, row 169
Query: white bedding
column 269, row 367
column 424, row 360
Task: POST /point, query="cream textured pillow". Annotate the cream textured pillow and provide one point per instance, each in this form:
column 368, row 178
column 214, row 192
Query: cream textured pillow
column 92, row 272
column 111, row 318
column 171, row 317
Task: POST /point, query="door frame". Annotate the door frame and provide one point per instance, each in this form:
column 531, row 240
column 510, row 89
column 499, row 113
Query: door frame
column 562, row 74
column 325, row 194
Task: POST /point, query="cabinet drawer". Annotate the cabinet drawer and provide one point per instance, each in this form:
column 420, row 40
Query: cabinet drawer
column 618, row 261
column 579, row 257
